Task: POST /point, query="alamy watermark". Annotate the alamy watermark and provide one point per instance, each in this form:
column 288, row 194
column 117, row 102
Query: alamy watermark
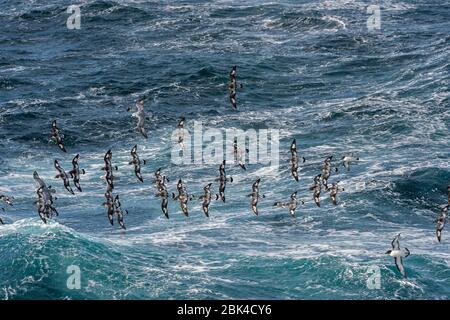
column 374, row 278
column 374, row 20
column 74, row 20
column 74, row 279
column 212, row 146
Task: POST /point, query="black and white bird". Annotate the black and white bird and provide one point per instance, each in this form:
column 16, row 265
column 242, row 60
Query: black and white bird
column 162, row 192
column 448, row 191
column 180, row 128
column 119, row 212
column 136, row 162
column 223, row 179
column 232, row 86
column 7, row 200
column 141, row 116
column 347, row 159
column 109, row 204
column 206, row 198
column 160, row 179
column 45, row 204
column 291, row 205
column 76, row 172
column 239, row 156
column 316, row 189
column 255, row 196
column 333, row 192
column 109, row 168
column 48, row 191
column 440, row 221
column 326, row 171
column 63, row 176
column 183, row 197
column 294, row 160
column 57, row 136
column 398, row 254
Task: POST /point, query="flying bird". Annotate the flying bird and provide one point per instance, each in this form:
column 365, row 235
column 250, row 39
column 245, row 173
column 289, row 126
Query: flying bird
column 56, row 136
column 398, row 254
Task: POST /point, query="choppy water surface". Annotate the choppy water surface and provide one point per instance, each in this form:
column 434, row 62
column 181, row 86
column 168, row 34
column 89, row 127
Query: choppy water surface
column 309, row 68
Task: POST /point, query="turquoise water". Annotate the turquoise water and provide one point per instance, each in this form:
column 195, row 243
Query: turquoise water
column 309, row 68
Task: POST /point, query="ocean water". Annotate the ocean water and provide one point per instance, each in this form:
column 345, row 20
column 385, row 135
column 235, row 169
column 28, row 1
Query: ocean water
column 310, row 69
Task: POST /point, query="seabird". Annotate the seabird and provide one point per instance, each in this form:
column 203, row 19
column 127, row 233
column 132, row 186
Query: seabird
column 316, row 188
column 255, row 196
column 119, row 212
column 137, row 163
column 326, row 171
column 57, row 136
column 48, row 191
column 109, row 168
column 6, row 199
column 333, row 192
column 140, row 115
column 239, row 158
column 180, row 128
column 164, row 194
column 161, row 191
column 291, row 205
column 223, row 180
column 45, row 205
column 440, row 221
column 182, row 196
column 42, row 204
column 76, row 172
column 398, row 254
column 206, row 198
column 63, row 176
column 294, row 160
column 232, row 87
column 448, row 191
column 159, row 178
column 110, row 205
column 347, row 159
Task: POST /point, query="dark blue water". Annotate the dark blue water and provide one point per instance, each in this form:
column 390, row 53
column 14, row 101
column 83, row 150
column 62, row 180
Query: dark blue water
column 311, row 69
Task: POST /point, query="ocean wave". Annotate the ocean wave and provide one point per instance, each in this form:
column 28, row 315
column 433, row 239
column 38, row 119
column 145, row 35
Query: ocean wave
column 312, row 70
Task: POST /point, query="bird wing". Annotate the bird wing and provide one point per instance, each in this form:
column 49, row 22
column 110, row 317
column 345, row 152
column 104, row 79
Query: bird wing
column 396, row 243
column 399, row 265
column 346, row 165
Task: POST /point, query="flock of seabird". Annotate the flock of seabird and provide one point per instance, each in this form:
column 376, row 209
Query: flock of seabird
column 45, row 194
